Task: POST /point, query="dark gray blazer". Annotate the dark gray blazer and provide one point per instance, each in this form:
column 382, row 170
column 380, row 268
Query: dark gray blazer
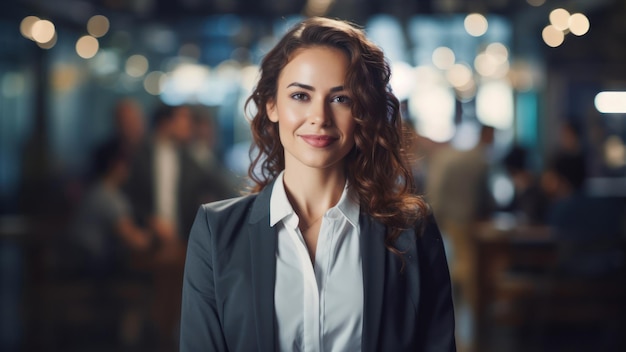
column 228, row 288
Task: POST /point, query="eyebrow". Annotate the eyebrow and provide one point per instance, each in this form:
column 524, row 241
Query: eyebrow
column 311, row 88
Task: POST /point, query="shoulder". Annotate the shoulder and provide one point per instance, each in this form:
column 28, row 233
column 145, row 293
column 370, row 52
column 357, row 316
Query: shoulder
column 230, row 205
column 218, row 223
column 228, row 210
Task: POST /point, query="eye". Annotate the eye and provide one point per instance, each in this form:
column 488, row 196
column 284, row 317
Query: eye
column 342, row 99
column 299, row 96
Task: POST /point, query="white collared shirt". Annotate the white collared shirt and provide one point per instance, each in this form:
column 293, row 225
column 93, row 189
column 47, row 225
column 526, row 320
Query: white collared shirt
column 319, row 306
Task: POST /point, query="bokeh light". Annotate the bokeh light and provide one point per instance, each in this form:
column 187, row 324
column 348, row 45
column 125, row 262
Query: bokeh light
column 153, row 83
column 42, row 31
column 136, row 65
column 50, row 44
column 611, row 102
column 559, row 18
column 443, row 57
column 459, row 75
column 578, row 24
column 87, row 47
column 476, row 24
column 26, row 26
column 494, row 104
column 552, row 36
column 98, row 26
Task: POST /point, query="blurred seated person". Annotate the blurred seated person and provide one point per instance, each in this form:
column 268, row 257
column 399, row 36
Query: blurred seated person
column 103, row 228
column 529, row 201
column 588, row 229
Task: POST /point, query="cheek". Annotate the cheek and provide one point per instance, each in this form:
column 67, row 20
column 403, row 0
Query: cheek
column 348, row 126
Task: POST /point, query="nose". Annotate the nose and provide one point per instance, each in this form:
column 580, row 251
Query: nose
column 320, row 113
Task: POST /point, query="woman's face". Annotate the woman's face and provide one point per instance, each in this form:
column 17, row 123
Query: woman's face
column 313, row 109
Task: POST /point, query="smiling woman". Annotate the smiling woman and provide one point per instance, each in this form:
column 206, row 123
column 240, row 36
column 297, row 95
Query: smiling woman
column 333, row 250
column 313, row 112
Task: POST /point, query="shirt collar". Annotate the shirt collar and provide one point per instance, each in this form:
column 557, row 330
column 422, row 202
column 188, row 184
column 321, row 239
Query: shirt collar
column 280, row 208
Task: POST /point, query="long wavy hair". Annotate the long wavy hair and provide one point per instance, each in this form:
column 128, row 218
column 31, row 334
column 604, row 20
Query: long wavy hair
column 377, row 166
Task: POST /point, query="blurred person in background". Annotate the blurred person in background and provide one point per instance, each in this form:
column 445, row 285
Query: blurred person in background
column 458, row 189
column 165, row 184
column 589, row 230
column 203, row 148
column 203, row 144
column 108, row 240
column 129, row 124
column 529, row 202
column 333, row 250
column 104, row 225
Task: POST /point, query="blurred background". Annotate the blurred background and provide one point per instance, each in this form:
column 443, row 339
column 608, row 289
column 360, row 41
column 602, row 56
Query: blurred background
column 118, row 118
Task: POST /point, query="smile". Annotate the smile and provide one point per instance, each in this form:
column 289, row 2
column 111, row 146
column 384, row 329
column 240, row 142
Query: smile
column 318, row 141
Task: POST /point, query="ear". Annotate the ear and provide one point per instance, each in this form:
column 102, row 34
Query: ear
column 270, row 109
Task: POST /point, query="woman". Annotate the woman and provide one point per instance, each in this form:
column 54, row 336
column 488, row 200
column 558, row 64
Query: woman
column 333, row 251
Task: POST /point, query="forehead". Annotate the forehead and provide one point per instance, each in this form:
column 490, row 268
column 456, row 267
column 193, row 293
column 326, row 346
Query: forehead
column 314, row 63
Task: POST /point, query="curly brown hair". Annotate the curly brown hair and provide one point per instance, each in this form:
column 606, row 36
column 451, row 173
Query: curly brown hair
column 377, row 165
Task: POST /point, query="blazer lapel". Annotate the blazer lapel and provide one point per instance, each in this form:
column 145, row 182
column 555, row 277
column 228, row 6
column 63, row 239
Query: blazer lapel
column 373, row 266
column 263, row 260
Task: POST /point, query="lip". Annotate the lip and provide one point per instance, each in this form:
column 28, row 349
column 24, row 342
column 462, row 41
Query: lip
column 318, row 140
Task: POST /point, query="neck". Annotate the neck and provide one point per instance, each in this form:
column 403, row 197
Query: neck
column 313, row 192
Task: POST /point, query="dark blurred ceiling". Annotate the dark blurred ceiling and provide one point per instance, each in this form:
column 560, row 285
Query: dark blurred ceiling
column 166, row 10
column 604, row 44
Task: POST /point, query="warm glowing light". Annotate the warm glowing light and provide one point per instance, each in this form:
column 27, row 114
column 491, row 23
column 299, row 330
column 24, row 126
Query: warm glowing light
column 493, row 62
column 87, row 47
column 153, row 83
column 443, row 57
column 43, row 31
column 402, row 79
column 502, row 70
column 434, row 110
column 578, row 24
column 552, row 36
column 432, row 104
column 485, row 65
column 497, row 52
column 98, row 26
column 467, row 91
column 476, row 24
column 185, row 83
column 611, row 102
column 494, row 104
column 559, row 18
column 50, row 44
column 249, row 77
column 26, row 26
column 136, row 66
column 459, row 75
column 615, row 152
